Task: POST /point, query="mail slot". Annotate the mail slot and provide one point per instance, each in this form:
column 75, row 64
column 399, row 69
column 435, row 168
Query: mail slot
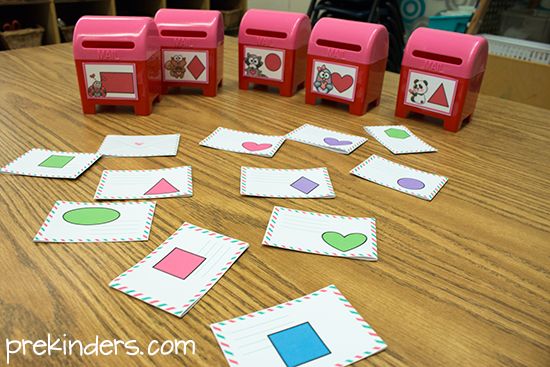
column 441, row 76
column 273, row 50
column 117, row 62
column 191, row 43
column 346, row 61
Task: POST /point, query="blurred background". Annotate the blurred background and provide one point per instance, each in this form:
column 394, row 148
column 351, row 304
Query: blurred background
column 518, row 31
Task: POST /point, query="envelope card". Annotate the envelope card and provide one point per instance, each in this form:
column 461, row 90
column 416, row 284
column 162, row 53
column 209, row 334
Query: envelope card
column 399, row 140
column 97, row 222
column 401, row 178
column 49, row 163
column 178, row 273
column 243, row 142
column 317, row 330
column 145, row 184
column 286, row 183
column 140, row 145
column 323, row 234
column 327, row 139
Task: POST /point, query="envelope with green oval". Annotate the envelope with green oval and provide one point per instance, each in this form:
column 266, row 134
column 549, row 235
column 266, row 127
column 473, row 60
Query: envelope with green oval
column 322, row 234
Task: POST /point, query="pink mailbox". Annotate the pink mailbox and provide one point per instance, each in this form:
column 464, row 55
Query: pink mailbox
column 346, row 62
column 117, row 62
column 441, row 76
column 273, row 49
column 191, row 44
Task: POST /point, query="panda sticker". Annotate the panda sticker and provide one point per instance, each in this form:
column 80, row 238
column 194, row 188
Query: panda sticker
column 418, row 91
column 430, row 92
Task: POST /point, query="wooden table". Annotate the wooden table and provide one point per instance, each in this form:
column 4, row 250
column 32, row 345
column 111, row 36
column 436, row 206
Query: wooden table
column 461, row 281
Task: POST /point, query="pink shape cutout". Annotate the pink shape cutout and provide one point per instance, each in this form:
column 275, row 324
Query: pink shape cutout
column 179, row 263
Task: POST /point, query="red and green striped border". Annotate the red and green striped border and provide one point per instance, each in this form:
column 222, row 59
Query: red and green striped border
column 372, row 256
column 356, row 171
column 93, row 158
column 244, row 178
column 104, row 177
column 342, row 150
column 270, row 153
column 143, row 236
column 218, row 328
column 179, row 310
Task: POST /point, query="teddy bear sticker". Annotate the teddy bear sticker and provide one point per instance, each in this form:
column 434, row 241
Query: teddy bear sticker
column 176, row 66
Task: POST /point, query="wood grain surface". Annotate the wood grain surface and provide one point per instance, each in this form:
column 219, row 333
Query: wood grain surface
column 461, row 281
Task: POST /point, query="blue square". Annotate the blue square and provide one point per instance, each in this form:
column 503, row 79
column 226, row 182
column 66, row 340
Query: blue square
column 298, row 345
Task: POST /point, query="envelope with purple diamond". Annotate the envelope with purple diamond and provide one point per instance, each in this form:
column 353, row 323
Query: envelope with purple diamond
column 326, row 139
column 286, row 183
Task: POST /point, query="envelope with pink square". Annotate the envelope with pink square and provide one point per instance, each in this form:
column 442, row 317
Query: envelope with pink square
column 178, row 273
column 317, row 330
column 243, row 142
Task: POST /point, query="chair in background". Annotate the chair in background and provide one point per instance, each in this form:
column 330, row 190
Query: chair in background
column 385, row 12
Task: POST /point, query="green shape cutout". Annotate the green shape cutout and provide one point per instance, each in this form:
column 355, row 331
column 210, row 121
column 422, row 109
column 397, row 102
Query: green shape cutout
column 344, row 243
column 397, row 133
column 91, row 216
column 56, row 161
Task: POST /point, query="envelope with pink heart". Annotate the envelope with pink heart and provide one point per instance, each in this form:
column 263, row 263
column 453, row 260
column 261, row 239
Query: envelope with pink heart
column 328, row 139
column 140, row 145
column 243, row 142
column 322, row 234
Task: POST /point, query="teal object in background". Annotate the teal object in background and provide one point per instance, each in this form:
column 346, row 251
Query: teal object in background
column 453, row 23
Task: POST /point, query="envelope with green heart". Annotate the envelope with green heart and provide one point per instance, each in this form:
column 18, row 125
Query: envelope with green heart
column 322, row 234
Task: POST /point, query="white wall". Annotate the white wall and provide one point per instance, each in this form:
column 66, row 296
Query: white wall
column 288, row 5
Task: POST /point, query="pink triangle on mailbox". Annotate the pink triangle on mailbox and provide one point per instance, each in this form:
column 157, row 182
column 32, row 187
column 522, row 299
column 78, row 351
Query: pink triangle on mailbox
column 162, row 187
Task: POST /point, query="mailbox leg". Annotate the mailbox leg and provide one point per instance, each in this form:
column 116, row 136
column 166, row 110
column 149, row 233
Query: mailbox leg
column 310, row 98
column 243, row 84
column 210, row 90
column 143, row 108
column 401, row 111
column 287, row 90
column 452, row 124
column 88, row 108
column 358, row 108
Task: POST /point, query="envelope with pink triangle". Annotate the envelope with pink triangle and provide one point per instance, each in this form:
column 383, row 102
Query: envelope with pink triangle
column 145, row 184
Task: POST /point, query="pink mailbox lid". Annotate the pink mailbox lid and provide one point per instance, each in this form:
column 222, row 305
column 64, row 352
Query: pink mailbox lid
column 456, row 54
column 359, row 42
column 272, row 28
column 199, row 28
column 129, row 38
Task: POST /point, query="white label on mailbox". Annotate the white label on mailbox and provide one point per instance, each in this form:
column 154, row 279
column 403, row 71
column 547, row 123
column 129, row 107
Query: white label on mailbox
column 110, row 81
column 336, row 80
column 264, row 63
column 430, row 92
column 185, row 66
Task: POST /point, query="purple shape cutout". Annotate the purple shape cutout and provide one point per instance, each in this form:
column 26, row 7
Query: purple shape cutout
column 304, row 185
column 411, row 183
column 334, row 141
